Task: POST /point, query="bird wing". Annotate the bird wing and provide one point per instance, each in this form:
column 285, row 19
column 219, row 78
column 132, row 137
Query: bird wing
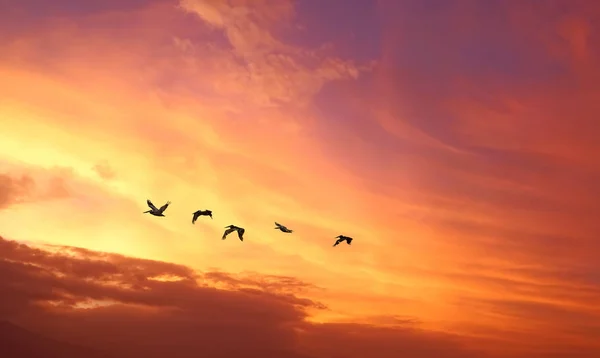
column 195, row 217
column 164, row 207
column 337, row 242
column 227, row 232
column 241, row 232
column 349, row 240
column 151, row 205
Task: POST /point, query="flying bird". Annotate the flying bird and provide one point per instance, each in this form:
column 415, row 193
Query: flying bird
column 156, row 212
column 232, row 228
column 199, row 213
column 278, row 226
column 341, row 239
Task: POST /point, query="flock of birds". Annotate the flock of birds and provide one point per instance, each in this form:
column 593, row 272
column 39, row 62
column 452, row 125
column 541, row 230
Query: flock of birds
column 231, row 228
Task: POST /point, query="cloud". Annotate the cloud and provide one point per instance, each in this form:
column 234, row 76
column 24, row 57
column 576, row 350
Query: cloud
column 546, row 339
column 259, row 62
column 19, row 189
column 136, row 307
column 104, row 171
column 469, row 113
column 21, row 343
column 14, row 190
column 246, row 24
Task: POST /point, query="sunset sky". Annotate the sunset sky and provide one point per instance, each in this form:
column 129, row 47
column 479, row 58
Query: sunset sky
column 457, row 141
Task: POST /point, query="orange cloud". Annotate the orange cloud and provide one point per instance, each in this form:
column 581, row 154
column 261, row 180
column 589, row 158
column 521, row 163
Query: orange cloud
column 259, row 63
column 104, row 171
column 13, row 189
column 23, row 189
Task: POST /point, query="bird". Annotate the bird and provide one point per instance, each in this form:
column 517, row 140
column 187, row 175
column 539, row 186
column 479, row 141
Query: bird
column 154, row 211
column 199, row 213
column 232, row 228
column 278, row 226
column 341, row 239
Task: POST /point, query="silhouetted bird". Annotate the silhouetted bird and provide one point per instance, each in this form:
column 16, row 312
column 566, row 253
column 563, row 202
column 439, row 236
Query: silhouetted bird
column 232, row 228
column 199, row 213
column 278, row 226
column 154, row 211
column 341, row 239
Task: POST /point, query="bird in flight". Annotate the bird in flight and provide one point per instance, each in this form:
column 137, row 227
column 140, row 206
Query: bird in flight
column 232, row 228
column 199, row 213
column 341, row 239
column 278, row 226
column 155, row 211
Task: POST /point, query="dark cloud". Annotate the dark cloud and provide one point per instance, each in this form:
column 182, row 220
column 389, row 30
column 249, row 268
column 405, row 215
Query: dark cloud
column 17, row 342
column 158, row 309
